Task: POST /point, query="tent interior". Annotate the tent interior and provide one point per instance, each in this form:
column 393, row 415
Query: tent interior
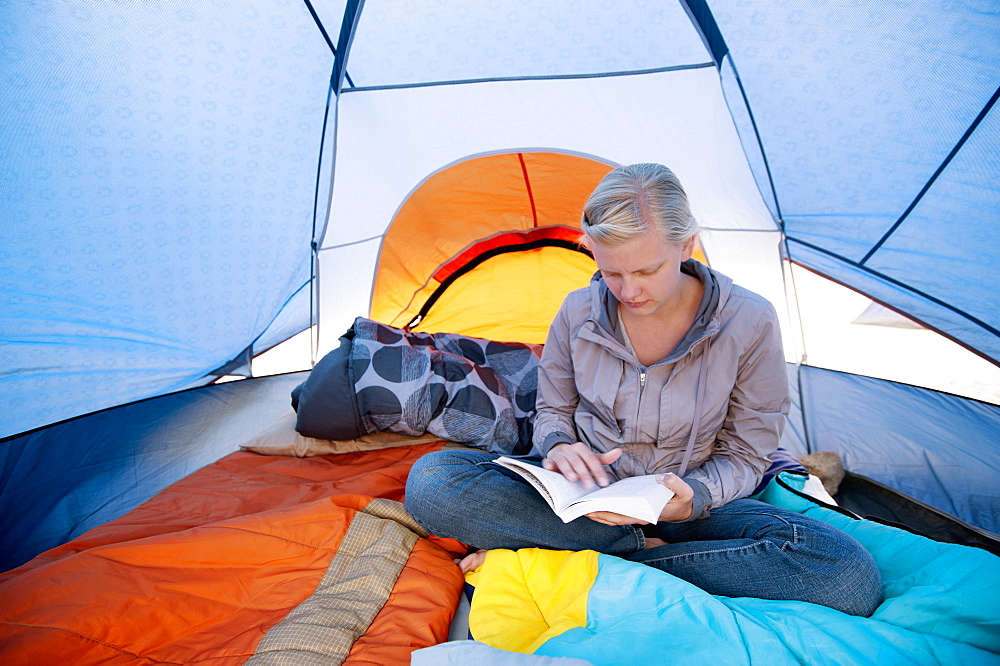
column 187, row 186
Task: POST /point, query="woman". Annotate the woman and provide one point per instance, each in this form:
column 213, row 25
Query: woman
column 660, row 366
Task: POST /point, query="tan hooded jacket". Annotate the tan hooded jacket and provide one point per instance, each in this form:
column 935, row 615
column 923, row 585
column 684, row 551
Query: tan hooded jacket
column 727, row 375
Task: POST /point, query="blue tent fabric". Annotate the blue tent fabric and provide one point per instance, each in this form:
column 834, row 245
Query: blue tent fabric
column 892, row 433
column 158, row 181
column 454, row 41
column 857, row 107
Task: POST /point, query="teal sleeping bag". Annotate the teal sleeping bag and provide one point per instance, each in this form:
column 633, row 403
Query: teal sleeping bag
column 942, row 606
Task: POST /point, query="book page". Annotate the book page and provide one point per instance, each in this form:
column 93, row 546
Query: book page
column 633, row 486
column 556, row 488
column 641, row 497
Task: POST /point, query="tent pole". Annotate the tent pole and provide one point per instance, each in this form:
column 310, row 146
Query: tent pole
column 799, row 339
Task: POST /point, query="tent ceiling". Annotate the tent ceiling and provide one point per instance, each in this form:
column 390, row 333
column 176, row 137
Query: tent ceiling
column 408, row 43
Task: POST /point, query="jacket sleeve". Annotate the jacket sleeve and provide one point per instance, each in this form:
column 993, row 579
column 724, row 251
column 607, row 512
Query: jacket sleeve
column 557, row 396
column 758, row 407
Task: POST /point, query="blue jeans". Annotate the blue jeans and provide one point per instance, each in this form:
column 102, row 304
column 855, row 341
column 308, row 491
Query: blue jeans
column 743, row 549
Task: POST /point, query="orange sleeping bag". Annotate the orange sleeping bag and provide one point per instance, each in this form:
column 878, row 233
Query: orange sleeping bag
column 251, row 559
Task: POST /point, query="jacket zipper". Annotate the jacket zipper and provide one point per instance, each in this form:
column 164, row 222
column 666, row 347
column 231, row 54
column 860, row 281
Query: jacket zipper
column 638, row 405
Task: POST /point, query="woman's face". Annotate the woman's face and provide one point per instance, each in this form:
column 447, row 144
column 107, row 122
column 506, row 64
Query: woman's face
column 643, row 272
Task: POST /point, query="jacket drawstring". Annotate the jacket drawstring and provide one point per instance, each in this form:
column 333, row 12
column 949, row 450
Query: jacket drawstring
column 696, row 420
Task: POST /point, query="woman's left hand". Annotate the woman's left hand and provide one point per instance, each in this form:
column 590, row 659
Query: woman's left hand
column 681, row 506
column 677, row 509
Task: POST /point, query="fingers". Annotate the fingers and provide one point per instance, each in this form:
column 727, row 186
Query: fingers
column 566, row 460
column 589, row 469
column 472, row 561
column 578, row 462
column 680, row 505
column 597, row 471
column 610, row 456
column 614, row 519
column 680, row 487
column 598, row 518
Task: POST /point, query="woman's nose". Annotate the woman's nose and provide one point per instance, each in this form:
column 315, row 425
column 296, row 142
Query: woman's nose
column 630, row 289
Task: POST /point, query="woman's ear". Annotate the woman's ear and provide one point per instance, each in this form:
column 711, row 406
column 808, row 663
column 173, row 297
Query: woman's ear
column 687, row 250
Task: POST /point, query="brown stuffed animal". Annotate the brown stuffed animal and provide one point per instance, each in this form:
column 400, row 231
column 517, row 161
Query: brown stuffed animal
column 826, row 465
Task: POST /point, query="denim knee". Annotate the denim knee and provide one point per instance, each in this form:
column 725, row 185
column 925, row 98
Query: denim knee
column 846, row 576
column 424, row 479
column 436, row 484
column 747, row 548
column 832, row 565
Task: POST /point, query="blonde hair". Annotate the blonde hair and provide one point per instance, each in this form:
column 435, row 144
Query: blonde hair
column 631, row 199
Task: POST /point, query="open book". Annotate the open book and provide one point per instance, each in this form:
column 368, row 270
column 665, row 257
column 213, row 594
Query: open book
column 639, row 497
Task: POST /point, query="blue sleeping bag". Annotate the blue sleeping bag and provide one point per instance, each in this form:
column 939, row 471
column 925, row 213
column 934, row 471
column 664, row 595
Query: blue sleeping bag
column 942, row 606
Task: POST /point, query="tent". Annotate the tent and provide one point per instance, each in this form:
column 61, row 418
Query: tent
column 186, row 185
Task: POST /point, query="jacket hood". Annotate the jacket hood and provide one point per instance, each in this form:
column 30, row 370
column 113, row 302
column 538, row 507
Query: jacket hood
column 604, row 305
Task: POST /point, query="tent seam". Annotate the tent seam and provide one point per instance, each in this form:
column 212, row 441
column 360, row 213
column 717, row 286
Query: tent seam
column 349, row 27
column 540, row 77
column 760, row 143
column 527, row 187
column 937, row 173
column 708, row 29
column 357, row 242
column 254, row 352
column 322, row 29
column 899, row 284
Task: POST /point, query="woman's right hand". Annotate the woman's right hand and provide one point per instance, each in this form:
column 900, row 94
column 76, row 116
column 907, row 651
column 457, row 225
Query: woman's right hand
column 578, row 462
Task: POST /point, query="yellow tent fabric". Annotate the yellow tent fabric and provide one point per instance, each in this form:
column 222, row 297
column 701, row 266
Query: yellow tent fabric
column 505, row 299
column 467, row 205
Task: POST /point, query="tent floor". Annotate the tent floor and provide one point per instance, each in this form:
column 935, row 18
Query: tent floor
column 870, row 499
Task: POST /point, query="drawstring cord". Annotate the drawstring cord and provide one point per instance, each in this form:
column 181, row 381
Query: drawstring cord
column 696, row 420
